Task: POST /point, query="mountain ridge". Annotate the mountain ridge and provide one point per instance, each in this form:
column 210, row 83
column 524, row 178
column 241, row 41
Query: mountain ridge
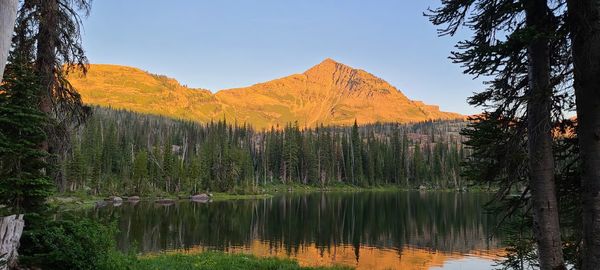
column 329, row 93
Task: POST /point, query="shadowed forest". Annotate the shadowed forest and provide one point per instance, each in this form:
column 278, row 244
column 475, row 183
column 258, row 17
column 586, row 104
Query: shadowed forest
column 119, row 152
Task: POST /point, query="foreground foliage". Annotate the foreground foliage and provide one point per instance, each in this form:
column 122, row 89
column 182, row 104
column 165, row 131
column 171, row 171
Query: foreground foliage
column 70, row 243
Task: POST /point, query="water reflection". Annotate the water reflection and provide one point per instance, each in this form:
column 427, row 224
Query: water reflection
column 370, row 257
column 369, row 230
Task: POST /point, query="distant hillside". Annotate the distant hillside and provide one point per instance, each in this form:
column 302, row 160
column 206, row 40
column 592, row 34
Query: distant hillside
column 330, row 93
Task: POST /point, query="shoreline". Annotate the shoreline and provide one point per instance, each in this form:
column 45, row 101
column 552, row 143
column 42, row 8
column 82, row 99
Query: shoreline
column 80, row 200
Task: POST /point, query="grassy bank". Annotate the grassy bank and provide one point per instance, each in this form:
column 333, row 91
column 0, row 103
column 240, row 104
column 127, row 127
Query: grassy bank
column 73, row 200
column 279, row 188
column 229, row 196
column 218, row 260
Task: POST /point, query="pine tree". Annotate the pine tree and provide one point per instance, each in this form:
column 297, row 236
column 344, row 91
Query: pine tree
column 76, row 170
column 418, row 165
column 167, row 165
column 51, row 29
column 23, row 184
column 140, row 173
column 526, row 66
column 290, row 153
column 195, row 174
column 356, row 158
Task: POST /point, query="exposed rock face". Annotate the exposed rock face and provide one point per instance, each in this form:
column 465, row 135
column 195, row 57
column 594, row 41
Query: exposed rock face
column 329, row 93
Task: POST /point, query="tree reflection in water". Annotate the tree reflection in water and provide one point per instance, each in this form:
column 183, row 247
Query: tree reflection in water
column 366, row 229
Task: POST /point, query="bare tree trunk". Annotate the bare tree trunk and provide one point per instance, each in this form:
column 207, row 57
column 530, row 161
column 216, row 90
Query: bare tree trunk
column 11, row 228
column 584, row 16
column 8, row 15
column 546, row 226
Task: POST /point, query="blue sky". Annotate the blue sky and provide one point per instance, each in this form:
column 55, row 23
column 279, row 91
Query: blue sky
column 221, row 44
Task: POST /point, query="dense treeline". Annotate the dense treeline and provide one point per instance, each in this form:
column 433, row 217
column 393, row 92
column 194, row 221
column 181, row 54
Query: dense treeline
column 124, row 152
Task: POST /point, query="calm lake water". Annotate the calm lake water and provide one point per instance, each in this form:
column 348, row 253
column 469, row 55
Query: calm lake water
column 367, row 230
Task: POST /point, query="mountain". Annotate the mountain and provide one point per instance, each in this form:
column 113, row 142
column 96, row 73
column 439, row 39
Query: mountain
column 139, row 91
column 330, row 93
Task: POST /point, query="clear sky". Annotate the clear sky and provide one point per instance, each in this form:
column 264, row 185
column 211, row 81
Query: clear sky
column 221, row 44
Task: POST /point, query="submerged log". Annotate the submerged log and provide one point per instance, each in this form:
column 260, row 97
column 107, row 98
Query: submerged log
column 11, row 228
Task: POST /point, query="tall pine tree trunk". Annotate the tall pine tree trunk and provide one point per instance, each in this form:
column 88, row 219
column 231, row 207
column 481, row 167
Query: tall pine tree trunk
column 45, row 64
column 584, row 18
column 8, row 15
column 46, row 52
column 541, row 160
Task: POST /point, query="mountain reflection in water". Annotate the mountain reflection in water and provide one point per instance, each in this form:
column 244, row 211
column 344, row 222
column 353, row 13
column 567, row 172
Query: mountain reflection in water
column 367, row 230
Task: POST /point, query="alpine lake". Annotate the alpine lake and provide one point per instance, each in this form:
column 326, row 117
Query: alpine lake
column 365, row 230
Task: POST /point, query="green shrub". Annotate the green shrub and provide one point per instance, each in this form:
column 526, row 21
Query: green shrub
column 72, row 243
